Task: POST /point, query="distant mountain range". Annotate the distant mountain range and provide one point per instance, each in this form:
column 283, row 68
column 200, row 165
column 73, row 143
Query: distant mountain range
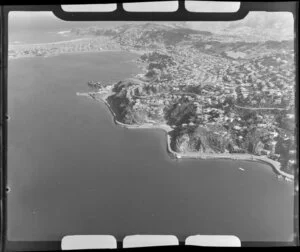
column 255, row 27
column 257, row 34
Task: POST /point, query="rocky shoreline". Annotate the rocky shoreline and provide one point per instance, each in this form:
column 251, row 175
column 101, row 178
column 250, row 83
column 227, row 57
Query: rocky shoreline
column 102, row 97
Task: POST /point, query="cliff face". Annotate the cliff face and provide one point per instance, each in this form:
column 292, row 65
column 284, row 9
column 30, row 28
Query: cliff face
column 199, row 139
column 192, row 143
column 123, row 104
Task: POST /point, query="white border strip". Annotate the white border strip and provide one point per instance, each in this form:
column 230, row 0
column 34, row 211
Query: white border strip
column 135, row 241
column 73, row 242
column 213, row 240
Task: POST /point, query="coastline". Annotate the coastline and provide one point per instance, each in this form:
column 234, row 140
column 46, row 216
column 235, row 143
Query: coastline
column 63, row 53
column 173, row 154
column 50, row 43
column 53, row 54
column 247, row 157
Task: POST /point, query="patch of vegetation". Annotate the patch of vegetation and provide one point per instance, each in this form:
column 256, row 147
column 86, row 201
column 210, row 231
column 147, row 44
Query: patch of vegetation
column 180, row 113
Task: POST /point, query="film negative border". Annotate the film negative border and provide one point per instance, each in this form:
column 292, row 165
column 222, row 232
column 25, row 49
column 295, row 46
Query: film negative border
column 121, row 15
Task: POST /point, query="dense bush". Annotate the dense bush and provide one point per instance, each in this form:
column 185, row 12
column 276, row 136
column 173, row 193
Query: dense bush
column 180, row 113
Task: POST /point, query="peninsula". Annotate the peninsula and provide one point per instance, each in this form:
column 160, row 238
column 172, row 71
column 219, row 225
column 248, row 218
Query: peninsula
column 209, row 104
column 184, row 140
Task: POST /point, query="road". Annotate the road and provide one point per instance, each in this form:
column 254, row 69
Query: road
column 251, row 108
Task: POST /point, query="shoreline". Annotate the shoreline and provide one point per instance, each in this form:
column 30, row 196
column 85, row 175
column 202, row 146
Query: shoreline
column 49, row 43
column 62, row 53
column 275, row 165
column 53, row 54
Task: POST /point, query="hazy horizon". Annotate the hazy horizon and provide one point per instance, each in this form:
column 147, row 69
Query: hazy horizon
column 253, row 19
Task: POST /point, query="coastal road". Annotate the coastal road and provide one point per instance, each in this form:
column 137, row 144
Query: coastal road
column 251, row 108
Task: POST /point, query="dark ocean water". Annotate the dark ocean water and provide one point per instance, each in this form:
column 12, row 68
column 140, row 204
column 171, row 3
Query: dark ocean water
column 71, row 170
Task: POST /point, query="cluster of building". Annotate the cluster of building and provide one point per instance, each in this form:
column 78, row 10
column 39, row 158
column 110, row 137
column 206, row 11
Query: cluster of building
column 265, row 82
column 223, row 90
column 96, row 44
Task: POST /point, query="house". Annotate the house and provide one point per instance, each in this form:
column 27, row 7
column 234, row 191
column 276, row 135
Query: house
column 236, row 127
column 262, row 125
column 265, row 152
column 292, row 161
column 277, row 101
column 290, row 116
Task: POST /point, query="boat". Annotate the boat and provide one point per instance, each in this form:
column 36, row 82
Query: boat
column 242, row 169
column 279, row 176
